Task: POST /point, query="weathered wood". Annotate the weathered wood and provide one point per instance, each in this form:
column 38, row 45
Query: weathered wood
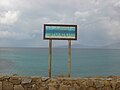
column 69, row 57
column 50, row 58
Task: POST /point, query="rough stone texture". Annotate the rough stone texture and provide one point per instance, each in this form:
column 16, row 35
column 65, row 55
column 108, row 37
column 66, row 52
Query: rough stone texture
column 7, row 85
column 52, row 88
column 64, row 87
column 117, row 86
column 1, row 78
column 26, row 80
column 0, row 85
column 18, row 87
column 39, row 83
column 27, row 86
column 15, row 80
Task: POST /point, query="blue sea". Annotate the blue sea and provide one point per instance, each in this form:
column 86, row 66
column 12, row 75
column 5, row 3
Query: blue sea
column 84, row 62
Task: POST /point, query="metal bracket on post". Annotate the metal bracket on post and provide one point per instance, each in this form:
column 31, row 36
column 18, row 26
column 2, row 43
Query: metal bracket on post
column 50, row 59
column 69, row 57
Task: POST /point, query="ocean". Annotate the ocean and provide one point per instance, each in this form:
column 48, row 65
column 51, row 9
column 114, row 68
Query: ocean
column 84, row 62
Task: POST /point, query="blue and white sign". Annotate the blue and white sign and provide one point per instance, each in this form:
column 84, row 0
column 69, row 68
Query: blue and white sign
column 60, row 32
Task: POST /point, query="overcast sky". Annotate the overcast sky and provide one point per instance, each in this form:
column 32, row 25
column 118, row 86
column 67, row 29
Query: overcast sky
column 21, row 21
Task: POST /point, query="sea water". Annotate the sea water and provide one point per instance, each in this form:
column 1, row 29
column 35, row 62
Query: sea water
column 84, row 62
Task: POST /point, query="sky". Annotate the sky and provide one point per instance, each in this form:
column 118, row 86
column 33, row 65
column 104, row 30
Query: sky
column 21, row 21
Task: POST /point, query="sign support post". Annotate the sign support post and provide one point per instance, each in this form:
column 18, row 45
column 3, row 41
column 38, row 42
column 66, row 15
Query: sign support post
column 59, row 32
column 50, row 58
column 69, row 57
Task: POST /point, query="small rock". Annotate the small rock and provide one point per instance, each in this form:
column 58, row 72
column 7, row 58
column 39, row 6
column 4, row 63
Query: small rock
column 7, row 85
column 91, row 88
column 35, row 79
column 90, row 83
column 107, row 83
column 15, row 80
column 109, row 79
column 52, row 88
column 18, row 87
column 113, row 84
column 99, row 84
column 117, row 86
column 76, row 86
column 26, row 80
column 63, row 87
column 5, row 78
column 44, row 79
column 27, row 86
column 107, row 88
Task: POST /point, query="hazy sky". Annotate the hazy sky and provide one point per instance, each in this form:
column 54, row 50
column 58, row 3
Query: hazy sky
column 21, row 21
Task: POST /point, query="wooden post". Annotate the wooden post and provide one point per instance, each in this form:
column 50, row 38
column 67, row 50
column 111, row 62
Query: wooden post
column 69, row 57
column 50, row 58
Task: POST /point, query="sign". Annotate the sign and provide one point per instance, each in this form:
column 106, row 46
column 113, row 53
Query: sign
column 60, row 32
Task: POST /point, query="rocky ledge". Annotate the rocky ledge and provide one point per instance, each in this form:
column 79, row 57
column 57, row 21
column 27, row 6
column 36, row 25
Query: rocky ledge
column 59, row 83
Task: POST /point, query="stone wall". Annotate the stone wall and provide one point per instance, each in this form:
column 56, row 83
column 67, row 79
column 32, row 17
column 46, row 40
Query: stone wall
column 59, row 83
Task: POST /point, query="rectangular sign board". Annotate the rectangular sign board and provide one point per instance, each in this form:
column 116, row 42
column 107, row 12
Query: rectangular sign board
column 60, row 32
